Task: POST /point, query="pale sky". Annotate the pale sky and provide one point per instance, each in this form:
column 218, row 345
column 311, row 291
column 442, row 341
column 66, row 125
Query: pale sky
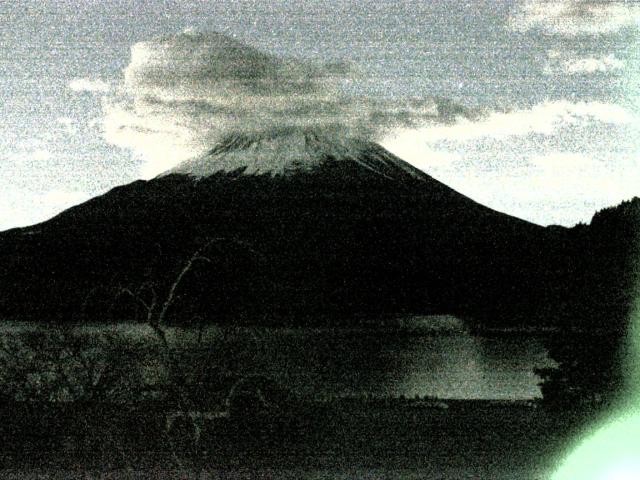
column 551, row 134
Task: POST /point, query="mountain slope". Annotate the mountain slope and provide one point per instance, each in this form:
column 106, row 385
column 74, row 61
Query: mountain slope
column 301, row 227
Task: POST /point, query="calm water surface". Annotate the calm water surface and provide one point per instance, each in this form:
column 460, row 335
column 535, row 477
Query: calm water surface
column 426, row 356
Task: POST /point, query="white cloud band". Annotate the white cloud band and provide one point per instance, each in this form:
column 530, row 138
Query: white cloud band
column 183, row 93
column 576, row 17
column 561, row 63
column 88, row 85
column 544, row 118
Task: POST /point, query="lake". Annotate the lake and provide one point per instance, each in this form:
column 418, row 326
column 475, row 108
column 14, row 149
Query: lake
column 443, row 365
column 434, row 356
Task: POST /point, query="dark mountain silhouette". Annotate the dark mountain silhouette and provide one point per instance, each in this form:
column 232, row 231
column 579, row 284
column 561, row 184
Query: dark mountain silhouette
column 304, row 228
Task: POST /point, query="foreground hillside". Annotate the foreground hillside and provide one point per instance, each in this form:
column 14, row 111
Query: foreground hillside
column 397, row 439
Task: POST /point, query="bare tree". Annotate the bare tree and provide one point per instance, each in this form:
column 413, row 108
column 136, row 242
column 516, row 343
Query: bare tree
column 156, row 307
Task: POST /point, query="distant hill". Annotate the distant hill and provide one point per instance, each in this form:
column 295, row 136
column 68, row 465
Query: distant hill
column 305, row 228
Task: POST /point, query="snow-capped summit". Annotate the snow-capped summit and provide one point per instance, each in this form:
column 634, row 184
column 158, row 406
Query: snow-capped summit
column 284, row 152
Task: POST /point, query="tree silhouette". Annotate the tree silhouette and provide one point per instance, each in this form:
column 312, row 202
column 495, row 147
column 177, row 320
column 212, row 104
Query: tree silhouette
column 156, row 298
column 156, row 305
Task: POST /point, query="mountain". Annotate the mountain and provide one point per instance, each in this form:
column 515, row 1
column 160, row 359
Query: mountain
column 287, row 152
column 296, row 226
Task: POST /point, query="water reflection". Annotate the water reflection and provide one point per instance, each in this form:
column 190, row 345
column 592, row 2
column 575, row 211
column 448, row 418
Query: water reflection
column 423, row 356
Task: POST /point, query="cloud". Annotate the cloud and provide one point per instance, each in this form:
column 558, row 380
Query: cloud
column 62, row 198
column 182, row 93
column 410, row 145
column 576, row 17
column 88, row 85
column 567, row 64
column 555, row 162
column 573, row 179
column 566, row 176
column 560, row 187
column 67, row 124
column 19, row 208
column 41, row 155
column 545, row 118
column 30, row 155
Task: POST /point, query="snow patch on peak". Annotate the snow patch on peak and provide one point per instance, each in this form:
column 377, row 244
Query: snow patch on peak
column 287, row 151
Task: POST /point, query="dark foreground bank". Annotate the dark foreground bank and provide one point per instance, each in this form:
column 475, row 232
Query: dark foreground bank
column 338, row 439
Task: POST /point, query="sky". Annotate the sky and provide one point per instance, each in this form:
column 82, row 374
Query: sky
column 530, row 107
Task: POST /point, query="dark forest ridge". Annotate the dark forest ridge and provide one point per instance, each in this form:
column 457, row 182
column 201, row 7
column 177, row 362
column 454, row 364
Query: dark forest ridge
column 291, row 225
